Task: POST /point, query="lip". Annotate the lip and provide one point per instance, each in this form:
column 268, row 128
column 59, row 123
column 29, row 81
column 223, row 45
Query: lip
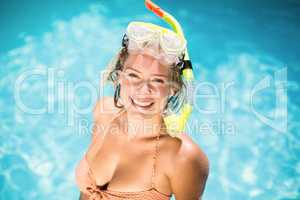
column 142, row 104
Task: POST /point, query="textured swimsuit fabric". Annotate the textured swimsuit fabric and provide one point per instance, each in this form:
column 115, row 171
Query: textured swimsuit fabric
column 87, row 184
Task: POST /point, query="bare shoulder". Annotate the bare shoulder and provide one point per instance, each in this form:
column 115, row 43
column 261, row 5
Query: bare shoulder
column 191, row 151
column 191, row 168
column 104, row 107
column 183, row 150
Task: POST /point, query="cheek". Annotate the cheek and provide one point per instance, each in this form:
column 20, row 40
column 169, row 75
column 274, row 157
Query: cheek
column 125, row 96
column 127, row 90
column 162, row 95
column 125, row 85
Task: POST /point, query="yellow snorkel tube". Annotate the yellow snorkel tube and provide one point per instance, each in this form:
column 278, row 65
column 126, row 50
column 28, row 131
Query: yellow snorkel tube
column 176, row 123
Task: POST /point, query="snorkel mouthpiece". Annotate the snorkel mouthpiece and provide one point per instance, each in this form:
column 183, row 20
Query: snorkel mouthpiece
column 176, row 123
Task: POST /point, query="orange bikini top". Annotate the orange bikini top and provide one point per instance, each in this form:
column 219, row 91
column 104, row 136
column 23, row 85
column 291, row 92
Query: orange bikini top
column 86, row 182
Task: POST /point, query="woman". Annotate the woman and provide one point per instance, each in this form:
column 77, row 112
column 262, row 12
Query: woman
column 132, row 155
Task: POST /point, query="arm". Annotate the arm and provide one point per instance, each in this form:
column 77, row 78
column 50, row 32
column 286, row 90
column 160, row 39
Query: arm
column 190, row 174
column 102, row 113
column 100, row 116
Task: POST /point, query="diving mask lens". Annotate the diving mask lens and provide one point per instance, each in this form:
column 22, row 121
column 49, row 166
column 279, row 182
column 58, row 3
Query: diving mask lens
column 141, row 34
column 172, row 44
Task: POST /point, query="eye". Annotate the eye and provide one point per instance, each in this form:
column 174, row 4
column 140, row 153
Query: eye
column 157, row 80
column 132, row 75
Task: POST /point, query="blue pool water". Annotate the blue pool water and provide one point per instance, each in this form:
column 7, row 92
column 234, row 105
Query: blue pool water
column 246, row 63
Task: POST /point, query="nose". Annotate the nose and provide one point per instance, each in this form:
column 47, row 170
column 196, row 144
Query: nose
column 145, row 87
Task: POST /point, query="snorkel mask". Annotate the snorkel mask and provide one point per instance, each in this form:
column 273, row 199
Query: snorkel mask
column 161, row 43
column 169, row 47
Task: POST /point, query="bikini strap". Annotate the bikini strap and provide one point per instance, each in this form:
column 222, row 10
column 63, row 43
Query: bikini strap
column 154, row 161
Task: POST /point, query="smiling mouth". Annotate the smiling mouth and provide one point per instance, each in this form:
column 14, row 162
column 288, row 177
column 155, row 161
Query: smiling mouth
column 141, row 104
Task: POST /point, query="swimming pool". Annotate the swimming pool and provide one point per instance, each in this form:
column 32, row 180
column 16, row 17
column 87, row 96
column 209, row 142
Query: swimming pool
column 246, row 61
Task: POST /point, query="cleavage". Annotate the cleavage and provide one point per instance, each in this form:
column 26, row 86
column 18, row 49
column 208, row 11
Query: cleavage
column 120, row 166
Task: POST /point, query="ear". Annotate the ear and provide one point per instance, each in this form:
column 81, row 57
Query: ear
column 172, row 92
column 174, row 89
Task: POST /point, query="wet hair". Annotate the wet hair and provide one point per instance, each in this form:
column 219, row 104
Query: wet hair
column 175, row 78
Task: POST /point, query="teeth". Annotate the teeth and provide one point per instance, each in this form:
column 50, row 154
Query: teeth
column 142, row 103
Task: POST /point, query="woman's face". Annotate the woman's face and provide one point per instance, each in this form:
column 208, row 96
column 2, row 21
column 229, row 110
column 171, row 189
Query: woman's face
column 145, row 85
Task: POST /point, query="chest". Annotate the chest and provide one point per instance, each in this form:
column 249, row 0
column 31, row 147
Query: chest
column 119, row 162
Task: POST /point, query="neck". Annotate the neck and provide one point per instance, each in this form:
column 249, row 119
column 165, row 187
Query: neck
column 143, row 127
